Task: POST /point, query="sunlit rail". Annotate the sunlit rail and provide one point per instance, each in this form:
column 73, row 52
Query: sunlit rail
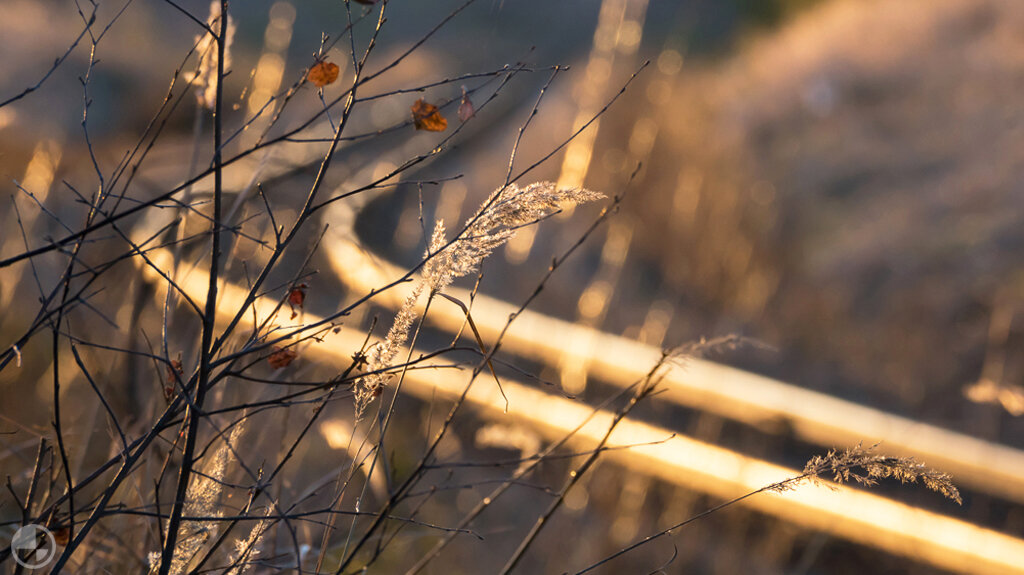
column 852, row 514
column 704, row 385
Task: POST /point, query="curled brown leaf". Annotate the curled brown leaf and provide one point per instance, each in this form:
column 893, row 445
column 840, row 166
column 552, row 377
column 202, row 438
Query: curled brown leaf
column 297, row 298
column 282, row 358
column 323, row 73
column 428, row 117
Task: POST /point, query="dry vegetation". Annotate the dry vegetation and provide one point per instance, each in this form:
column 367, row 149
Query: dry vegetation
column 846, row 189
column 168, row 405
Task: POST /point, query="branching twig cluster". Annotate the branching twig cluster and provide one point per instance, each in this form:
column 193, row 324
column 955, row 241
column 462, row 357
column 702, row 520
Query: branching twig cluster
column 180, row 487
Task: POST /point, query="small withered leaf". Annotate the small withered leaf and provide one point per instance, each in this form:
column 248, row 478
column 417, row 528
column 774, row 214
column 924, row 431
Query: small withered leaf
column 323, row 73
column 62, row 536
column 282, row 358
column 466, row 110
column 296, row 298
column 428, row 117
column 175, row 367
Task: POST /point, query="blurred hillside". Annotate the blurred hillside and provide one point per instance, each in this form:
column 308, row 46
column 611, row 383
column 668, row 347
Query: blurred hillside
column 846, row 189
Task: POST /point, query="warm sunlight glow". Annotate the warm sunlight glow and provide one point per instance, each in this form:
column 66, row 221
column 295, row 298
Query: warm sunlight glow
column 719, row 389
column 41, row 169
column 843, row 511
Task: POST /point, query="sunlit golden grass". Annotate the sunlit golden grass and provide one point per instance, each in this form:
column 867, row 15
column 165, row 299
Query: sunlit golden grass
column 215, row 368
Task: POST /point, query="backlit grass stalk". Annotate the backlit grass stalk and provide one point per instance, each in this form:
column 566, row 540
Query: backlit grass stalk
column 506, row 210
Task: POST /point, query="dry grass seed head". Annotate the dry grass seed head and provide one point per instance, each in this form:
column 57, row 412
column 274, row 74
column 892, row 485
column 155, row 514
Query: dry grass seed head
column 201, row 500
column 861, row 465
column 506, row 210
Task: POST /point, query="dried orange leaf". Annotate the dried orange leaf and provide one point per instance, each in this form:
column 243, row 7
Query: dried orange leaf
column 175, row 368
column 428, row 117
column 466, row 109
column 62, row 536
column 296, row 298
column 323, row 73
column 282, row 358
column 298, row 295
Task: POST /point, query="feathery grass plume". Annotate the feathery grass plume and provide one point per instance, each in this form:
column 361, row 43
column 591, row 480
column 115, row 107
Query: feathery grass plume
column 201, row 500
column 247, row 549
column 505, row 211
column 501, row 215
column 382, row 354
column 205, row 76
column 843, row 466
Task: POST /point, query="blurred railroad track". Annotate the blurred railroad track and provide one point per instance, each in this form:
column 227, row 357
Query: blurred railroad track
column 660, row 451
